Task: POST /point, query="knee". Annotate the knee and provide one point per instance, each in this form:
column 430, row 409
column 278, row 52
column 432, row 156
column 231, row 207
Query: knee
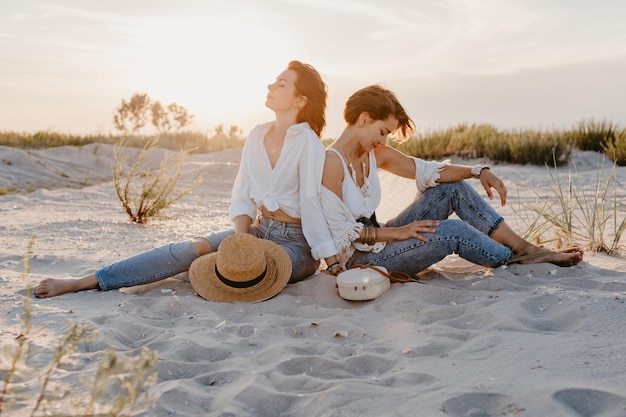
column 201, row 245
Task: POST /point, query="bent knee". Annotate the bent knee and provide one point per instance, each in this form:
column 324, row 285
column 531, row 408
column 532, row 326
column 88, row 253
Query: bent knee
column 201, row 245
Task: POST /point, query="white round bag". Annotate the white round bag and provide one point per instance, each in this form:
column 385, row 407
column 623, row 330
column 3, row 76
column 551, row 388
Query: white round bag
column 363, row 283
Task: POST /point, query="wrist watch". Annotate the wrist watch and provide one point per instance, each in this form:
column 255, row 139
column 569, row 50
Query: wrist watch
column 477, row 169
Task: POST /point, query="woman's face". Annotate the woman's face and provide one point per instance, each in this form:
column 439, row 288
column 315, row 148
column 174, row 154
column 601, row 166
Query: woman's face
column 377, row 131
column 281, row 94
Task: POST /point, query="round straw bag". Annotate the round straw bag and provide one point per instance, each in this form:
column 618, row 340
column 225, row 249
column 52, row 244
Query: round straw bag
column 367, row 282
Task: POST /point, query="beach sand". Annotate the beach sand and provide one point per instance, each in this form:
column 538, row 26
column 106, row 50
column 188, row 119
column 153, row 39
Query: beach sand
column 525, row 340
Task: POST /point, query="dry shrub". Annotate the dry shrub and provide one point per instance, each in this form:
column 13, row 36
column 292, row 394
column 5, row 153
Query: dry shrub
column 145, row 192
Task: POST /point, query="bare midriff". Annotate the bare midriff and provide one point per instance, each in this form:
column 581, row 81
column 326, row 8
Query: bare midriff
column 280, row 216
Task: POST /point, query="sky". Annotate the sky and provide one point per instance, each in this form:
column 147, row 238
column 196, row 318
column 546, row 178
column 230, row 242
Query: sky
column 66, row 65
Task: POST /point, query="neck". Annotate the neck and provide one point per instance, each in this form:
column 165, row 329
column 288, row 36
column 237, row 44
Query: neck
column 284, row 120
column 349, row 144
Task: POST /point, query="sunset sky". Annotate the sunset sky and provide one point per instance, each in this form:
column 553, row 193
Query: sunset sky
column 65, row 65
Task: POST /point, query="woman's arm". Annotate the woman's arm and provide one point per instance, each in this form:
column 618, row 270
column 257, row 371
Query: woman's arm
column 242, row 223
column 400, row 164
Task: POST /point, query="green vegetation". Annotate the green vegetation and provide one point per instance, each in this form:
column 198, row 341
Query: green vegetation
column 194, row 142
column 517, row 146
column 118, row 387
column 574, row 212
column 514, row 146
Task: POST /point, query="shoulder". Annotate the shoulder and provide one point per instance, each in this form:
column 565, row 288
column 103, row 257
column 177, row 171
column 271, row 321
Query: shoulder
column 303, row 131
column 259, row 130
column 333, row 170
column 304, row 138
column 332, row 161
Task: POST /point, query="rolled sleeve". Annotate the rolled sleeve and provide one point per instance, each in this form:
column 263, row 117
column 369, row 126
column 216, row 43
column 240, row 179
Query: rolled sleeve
column 240, row 201
column 427, row 173
column 314, row 226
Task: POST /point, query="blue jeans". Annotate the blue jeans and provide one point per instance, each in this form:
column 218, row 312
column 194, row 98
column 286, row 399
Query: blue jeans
column 468, row 237
column 174, row 258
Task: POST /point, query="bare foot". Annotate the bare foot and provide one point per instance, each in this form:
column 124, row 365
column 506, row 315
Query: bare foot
column 568, row 257
column 52, row 287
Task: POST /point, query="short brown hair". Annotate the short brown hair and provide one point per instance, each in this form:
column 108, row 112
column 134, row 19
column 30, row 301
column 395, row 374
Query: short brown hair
column 380, row 103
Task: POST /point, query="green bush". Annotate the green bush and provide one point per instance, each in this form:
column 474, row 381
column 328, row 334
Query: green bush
column 593, row 136
column 529, row 147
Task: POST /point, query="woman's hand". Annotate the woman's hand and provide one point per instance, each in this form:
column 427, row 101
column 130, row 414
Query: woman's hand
column 334, row 265
column 415, row 229
column 489, row 180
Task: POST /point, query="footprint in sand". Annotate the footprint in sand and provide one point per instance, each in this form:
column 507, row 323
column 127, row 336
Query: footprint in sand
column 481, row 405
column 591, row 403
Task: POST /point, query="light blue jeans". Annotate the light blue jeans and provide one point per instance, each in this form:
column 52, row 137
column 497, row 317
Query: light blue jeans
column 468, row 237
column 174, row 258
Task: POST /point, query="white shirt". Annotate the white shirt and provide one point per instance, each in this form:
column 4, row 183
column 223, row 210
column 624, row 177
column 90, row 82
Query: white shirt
column 293, row 184
column 353, row 197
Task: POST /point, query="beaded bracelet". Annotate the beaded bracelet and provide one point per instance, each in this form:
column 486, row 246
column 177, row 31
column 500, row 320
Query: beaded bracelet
column 332, row 266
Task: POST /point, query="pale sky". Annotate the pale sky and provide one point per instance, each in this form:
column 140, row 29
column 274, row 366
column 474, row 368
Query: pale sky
column 65, row 65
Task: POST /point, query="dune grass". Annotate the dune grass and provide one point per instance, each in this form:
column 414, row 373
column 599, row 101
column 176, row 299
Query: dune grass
column 518, row 146
column 118, row 386
column 575, row 213
column 191, row 141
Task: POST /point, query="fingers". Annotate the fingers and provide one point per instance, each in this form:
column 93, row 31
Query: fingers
column 423, row 226
column 490, row 181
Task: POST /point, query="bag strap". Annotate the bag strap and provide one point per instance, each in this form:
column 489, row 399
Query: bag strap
column 394, row 276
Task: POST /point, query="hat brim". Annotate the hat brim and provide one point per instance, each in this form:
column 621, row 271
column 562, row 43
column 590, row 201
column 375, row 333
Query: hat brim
column 208, row 286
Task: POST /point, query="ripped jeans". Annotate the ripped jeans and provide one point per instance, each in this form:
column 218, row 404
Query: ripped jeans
column 171, row 259
column 468, row 237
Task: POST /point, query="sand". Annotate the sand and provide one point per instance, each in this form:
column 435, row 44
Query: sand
column 525, row 340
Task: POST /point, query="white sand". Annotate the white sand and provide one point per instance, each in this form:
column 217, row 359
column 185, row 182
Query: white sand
column 528, row 340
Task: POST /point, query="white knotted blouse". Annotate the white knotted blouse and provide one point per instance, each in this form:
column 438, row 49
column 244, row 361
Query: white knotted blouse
column 292, row 185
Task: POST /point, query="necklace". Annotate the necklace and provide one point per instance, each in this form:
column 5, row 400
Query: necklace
column 365, row 189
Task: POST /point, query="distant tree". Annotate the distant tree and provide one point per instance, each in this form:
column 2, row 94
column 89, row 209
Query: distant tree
column 161, row 118
column 234, row 133
column 179, row 115
column 133, row 115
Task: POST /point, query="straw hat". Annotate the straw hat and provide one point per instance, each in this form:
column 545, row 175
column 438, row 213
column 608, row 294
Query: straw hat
column 244, row 269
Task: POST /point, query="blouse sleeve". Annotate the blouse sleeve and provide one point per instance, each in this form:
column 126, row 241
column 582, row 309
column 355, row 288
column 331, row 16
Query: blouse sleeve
column 342, row 224
column 240, row 201
column 314, row 227
column 427, row 173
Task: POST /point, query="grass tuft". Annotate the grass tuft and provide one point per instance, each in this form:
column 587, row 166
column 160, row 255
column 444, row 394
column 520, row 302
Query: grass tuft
column 119, row 387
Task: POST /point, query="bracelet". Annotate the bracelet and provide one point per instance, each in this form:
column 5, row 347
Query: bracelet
column 332, row 266
column 370, row 236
